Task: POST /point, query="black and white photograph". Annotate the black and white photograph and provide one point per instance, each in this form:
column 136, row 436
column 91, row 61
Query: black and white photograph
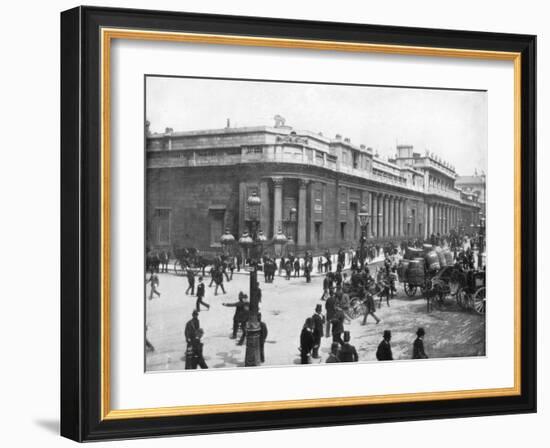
column 295, row 223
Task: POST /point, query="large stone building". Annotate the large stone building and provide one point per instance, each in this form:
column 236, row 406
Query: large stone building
column 311, row 186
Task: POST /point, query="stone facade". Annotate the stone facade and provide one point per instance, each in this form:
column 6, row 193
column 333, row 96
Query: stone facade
column 310, row 186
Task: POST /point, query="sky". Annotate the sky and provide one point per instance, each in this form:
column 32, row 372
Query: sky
column 452, row 124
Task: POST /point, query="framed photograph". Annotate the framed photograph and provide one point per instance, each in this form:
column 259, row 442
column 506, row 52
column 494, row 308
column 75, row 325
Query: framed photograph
column 277, row 224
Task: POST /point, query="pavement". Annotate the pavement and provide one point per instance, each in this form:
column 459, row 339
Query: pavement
column 450, row 331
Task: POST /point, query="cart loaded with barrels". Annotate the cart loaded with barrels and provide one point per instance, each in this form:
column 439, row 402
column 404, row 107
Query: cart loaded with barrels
column 417, row 268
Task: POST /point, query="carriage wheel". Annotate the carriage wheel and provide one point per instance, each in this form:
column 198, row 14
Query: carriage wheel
column 478, row 301
column 356, row 309
column 462, row 298
column 410, row 290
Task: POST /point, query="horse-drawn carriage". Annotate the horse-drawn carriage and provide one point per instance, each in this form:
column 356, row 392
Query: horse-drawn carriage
column 189, row 257
column 467, row 287
column 472, row 292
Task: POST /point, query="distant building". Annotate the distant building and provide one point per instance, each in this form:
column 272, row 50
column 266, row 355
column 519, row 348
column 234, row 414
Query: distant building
column 310, row 186
column 475, row 185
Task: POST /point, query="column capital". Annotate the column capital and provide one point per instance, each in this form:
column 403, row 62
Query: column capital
column 277, row 181
column 303, row 183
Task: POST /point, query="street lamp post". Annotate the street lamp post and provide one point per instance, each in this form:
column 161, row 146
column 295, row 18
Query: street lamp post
column 363, row 221
column 252, row 241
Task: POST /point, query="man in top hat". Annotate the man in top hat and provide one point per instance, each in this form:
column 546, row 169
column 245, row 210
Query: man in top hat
column 306, row 341
column 318, row 324
column 384, row 353
column 200, row 296
column 191, row 328
column 418, row 345
column 330, row 308
column 241, row 313
column 347, row 351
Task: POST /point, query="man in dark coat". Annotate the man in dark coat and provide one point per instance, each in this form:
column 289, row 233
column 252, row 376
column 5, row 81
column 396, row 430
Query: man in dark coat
column 318, row 325
column 191, row 281
column 330, row 308
column 307, row 271
column 200, row 296
column 384, row 353
column 347, row 351
column 193, row 355
column 241, row 313
column 338, row 326
column 239, row 260
column 369, row 307
column 297, row 267
column 418, row 345
column 191, row 327
column 218, row 278
column 263, row 337
column 306, row 341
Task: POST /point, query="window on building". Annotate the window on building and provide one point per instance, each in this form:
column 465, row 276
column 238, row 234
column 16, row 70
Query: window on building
column 356, row 160
column 342, row 230
column 254, row 150
column 318, row 232
column 162, row 225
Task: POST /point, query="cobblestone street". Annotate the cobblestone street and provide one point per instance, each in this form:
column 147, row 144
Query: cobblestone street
column 450, row 331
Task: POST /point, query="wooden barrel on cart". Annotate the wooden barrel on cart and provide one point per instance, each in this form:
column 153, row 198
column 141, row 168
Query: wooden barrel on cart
column 412, row 253
column 402, row 269
column 415, row 272
column 432, row 261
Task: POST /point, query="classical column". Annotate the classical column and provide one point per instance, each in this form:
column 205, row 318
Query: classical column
column 265, row 209
column 371, row 212
column 426, row 221
column 395, row 216
column 403, row 213
column 431, row 219
column 391, row 216
column 302, row 220
column 380, row 216
column 400, row 217
column 374, row 213
column 277, row 203
column 434, row 207
column 386, row 216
